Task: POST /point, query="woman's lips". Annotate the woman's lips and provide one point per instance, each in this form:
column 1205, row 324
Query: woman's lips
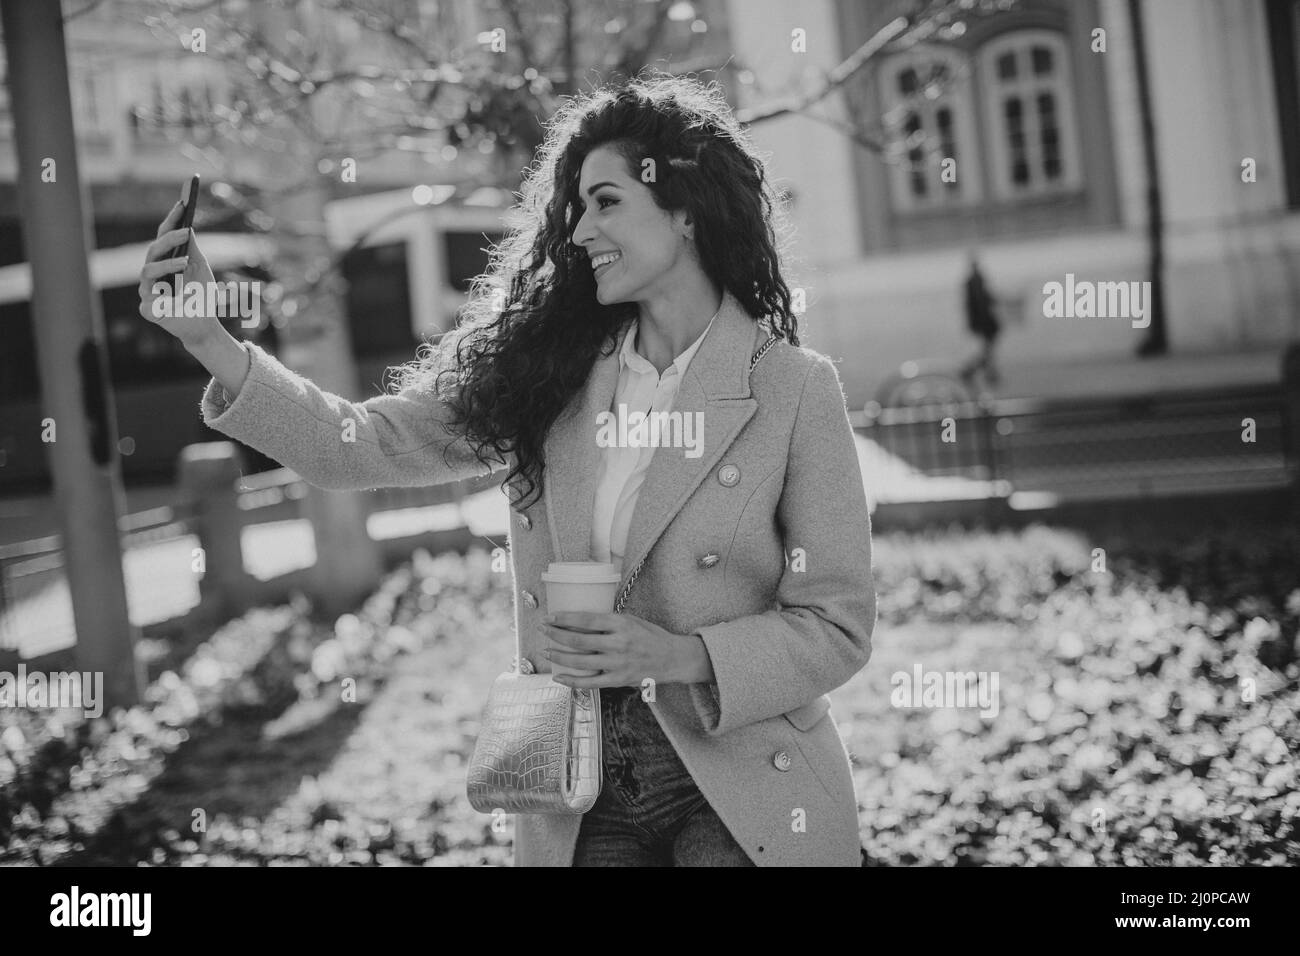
column 606, row 267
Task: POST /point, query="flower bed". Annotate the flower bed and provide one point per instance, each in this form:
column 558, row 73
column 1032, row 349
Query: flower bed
column 1124, row 733
column 218, row 734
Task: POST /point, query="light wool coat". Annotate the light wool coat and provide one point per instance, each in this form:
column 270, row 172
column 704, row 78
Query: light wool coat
column 779, row 472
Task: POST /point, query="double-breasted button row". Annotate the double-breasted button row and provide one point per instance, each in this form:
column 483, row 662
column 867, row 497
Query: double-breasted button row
column 728, row 477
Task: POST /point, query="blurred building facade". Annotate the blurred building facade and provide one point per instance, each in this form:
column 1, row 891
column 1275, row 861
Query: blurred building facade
column 143, row 106
column 1050, row 180
column 1045, row 132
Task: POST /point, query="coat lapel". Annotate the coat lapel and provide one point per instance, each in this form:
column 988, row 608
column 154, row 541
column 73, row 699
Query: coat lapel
column 716, row 385
column 572, row 459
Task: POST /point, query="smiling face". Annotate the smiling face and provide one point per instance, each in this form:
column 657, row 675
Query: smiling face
column 620, row 216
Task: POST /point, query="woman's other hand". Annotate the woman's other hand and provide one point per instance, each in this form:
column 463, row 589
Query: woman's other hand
column 626, row 650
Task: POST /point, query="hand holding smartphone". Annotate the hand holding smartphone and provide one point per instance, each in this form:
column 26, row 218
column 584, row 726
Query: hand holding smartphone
column 171, row 259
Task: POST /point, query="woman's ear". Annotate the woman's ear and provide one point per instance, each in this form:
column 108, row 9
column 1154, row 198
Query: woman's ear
column 683, row 221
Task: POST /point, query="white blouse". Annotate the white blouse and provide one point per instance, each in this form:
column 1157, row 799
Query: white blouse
column 621, row 471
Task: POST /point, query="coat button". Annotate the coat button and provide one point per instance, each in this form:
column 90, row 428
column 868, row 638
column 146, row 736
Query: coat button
column 728, row 475
column 528, row 598
column 709, row 560
column 526, row 521
column 781, row 761
column 523, row 665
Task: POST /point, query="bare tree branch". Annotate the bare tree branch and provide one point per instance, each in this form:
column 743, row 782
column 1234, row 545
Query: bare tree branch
column 525, row 43
column 639, row 51
column 850, row 131
column 68, row 18
column 833, row 80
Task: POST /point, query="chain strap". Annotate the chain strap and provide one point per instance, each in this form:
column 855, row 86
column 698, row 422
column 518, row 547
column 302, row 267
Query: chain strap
column 762, row 350
column 622, row 596
column 627, row 588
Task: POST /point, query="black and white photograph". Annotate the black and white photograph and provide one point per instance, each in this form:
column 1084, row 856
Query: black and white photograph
column 652, row 433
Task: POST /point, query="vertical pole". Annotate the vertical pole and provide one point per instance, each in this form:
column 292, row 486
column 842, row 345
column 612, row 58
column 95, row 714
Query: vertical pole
column 76, row 401
column 1291, row 419
column 1157, row 338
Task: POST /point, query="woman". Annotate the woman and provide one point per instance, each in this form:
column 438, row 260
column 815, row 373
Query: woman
column 643, row 275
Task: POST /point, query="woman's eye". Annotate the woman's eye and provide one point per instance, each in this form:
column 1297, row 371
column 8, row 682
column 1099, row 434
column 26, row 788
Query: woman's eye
column 604, row 199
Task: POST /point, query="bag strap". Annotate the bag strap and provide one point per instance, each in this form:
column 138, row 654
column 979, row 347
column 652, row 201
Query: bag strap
column 627, row 588
column 762, row 350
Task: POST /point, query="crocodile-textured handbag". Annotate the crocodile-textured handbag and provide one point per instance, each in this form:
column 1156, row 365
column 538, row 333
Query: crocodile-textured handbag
column 539, row 747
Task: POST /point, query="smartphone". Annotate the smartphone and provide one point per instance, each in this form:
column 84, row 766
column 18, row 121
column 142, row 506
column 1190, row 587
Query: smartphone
column 187, row 217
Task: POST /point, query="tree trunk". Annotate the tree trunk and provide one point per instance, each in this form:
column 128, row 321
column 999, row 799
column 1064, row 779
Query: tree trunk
column 315, row 342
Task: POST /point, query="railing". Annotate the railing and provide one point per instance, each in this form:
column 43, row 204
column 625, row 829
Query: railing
column 1105, row 448
column 250, row 555
column 35, row 607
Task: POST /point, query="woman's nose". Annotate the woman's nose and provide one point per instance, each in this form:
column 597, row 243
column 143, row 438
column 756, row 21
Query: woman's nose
column 580, row 232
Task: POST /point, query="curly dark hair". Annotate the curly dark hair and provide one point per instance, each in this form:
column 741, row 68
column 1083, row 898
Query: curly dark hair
column 532, row 327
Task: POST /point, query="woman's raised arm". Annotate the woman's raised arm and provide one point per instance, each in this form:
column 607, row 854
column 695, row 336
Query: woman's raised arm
column 385, row 441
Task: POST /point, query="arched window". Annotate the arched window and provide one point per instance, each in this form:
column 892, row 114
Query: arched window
column 928, row 118
column 1025, row 76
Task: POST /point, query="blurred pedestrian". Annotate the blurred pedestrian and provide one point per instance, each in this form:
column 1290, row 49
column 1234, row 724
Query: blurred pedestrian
column 983, row 321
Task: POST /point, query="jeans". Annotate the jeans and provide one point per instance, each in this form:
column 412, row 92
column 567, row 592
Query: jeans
column 649, row 812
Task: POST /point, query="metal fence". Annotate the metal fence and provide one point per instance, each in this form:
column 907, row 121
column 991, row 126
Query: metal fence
column 157, row 544
column 1171, row 444
column 35, row 605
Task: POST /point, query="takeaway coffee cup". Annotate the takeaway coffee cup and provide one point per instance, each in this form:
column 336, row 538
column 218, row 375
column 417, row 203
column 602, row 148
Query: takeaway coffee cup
column 580, row 586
